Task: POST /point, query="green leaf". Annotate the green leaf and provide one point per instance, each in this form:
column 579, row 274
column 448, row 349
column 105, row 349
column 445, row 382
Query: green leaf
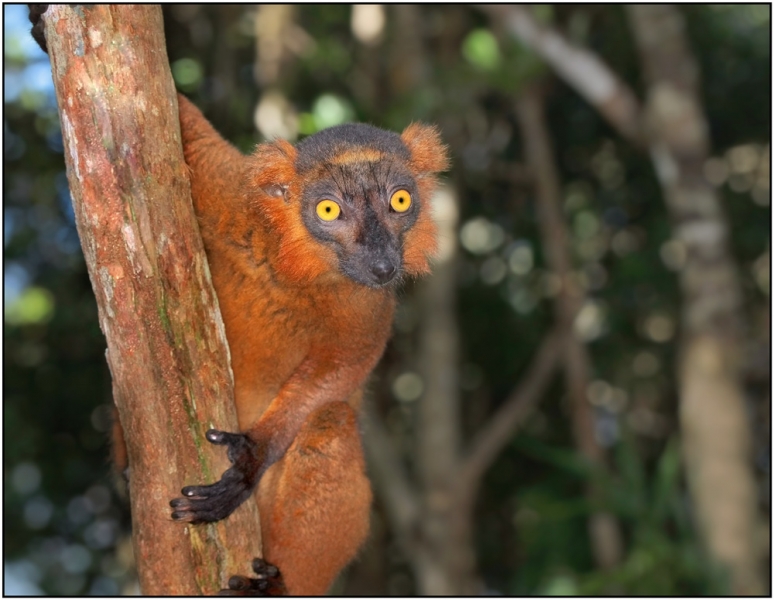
column 666, row 478
column 632, row 470
column 33, row 305
column 480, row 48
column 543, row 13
column 187, row 73
column 567, row 460
column 560, row 585
column 330, row 110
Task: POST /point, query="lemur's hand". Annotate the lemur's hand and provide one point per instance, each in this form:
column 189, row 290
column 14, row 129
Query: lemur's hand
column 206, row 503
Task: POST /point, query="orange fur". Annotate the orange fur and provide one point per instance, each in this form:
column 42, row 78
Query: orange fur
column 303, row 337
column 428, row 152
column 298, row 256
column 428, row 157
column 360, row 155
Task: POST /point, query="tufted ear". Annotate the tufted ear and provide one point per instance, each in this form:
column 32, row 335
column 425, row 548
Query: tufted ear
column 428, row 153
column 272, row 168
column 429, row 156
column 276, row 188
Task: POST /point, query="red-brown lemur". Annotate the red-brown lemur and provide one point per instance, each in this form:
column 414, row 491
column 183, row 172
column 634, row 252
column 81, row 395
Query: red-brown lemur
column 306, row 246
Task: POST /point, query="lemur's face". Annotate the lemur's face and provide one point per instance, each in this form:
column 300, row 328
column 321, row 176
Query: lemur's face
column 351, row 200
column 360, row 200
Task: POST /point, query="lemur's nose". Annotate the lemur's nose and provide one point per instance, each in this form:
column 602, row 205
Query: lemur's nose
column 384, row 270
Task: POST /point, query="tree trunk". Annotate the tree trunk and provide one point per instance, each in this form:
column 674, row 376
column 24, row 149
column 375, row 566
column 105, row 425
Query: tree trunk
column 605, row 534
column 166, row 343
column 447, row 563
column 714, row 423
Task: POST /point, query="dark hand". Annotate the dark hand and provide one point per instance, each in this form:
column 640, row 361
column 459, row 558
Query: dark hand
column 267, row 582
column 207, row 503
column 38, row 33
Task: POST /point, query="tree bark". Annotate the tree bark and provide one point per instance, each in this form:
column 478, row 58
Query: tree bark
column 604, row 531
column 166, row 343
column 714, row 423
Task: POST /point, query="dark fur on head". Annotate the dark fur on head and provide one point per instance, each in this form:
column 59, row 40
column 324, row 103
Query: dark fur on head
column 329, row 143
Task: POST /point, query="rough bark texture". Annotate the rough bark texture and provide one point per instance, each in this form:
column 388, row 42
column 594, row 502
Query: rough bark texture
column 716, row 431
column 604, row 531
column 166, row 343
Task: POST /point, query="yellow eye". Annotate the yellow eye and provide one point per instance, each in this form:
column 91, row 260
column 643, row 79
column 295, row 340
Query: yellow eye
column 400, row 201
column 328, row 210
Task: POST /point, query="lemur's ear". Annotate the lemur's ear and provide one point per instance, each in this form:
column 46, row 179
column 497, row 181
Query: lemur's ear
column 274, row 168
column 428, row 153
column 429, row 156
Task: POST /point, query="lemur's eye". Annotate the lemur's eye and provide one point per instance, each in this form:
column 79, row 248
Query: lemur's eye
column 328, row 210
column 400, row 201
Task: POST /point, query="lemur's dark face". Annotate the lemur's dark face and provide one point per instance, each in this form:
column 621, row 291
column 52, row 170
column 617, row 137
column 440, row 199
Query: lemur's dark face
column 361, row 199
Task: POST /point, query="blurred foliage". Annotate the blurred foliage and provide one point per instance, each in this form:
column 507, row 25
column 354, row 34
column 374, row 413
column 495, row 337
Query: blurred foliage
column 65, row 529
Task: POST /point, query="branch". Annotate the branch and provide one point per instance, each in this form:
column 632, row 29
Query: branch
column 713, row 409
column 556, row 244
column 603, row 529
column 391, row 481
column 166, row 343
column 583, row 70
column 512, row 415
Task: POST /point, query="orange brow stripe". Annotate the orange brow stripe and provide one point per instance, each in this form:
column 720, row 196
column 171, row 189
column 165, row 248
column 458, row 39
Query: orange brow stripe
column 359, row 155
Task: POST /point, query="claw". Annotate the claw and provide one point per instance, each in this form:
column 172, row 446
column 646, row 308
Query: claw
column 216, row 437
column 238, row 582
column 267, row 582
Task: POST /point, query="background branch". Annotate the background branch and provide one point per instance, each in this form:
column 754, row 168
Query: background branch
column 713, row 414
column 605, row 535
column 583, row 70
column 512, row 415
column 391, row 481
